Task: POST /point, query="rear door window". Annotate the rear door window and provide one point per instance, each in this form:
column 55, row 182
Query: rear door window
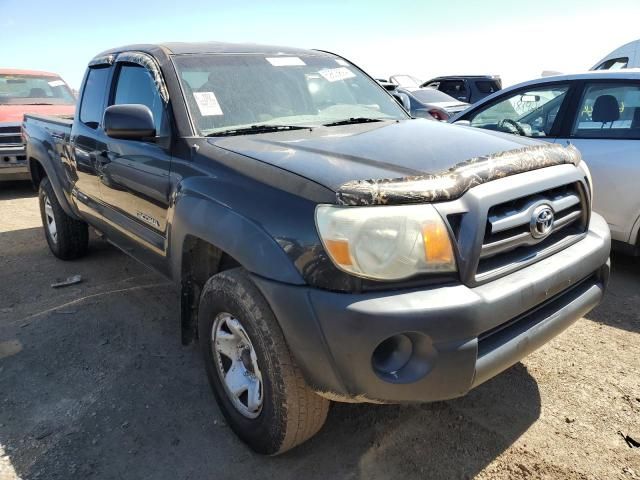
column 609, row 110
column 487, row 86
column 455, row 88
column 92, row 104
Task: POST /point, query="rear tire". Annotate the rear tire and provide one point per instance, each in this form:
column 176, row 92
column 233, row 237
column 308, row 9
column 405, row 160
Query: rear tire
column 67, row 237
column 283, row 412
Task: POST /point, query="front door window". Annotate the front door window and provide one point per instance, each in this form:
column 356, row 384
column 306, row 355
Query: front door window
column 530, row 113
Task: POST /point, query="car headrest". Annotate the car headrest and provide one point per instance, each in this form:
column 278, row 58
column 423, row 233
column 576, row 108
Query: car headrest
column 37, row 93
column 605, row 109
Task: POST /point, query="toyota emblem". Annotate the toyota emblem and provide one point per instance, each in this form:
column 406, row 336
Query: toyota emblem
column 541, row 223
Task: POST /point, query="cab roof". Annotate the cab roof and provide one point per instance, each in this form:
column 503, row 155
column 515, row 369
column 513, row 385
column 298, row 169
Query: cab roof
column 16, row 71
column 185, row 48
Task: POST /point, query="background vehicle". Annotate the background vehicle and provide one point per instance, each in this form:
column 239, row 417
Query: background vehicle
column 466, row 88
column 386, row 84
column 327, row 246
column 26, row 91
column 626, row 56
column 599, row 113
column 438, row 104
column 407, row 81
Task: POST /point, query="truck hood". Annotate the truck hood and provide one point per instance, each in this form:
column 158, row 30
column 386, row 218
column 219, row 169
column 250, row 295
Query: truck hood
column 14, row 113
column 365, row 157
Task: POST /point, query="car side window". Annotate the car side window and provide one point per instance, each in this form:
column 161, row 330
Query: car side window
column 136, row 85
column 609, row 110
column 92, row 103
column 614, row 64
column 454, row 88
column 530, row 112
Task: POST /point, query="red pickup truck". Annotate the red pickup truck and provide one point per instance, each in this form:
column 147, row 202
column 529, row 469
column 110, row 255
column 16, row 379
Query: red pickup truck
column 27, row 91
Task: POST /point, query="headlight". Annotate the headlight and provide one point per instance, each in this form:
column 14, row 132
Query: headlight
column 386, row 242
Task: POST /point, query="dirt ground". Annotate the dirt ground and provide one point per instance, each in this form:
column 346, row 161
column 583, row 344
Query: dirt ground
column 95, row 384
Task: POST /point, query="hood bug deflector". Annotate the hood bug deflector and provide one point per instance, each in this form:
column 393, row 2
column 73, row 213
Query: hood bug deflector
column 454, row 182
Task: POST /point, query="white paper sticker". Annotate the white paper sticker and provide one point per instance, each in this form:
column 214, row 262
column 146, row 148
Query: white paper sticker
column 56, row 83
column 335, row 74
column 285, row 61
column 207, row 103
column 342, row 62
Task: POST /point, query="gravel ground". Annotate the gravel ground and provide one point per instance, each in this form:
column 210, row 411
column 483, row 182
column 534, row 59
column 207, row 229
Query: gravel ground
column 95, row 384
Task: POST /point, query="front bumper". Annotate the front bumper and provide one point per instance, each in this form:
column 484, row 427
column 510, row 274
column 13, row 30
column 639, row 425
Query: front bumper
column 13, row 163
column 461, row 336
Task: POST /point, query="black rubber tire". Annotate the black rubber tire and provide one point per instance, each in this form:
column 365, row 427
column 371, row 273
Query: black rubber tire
column 72, row 235
column 291, row 412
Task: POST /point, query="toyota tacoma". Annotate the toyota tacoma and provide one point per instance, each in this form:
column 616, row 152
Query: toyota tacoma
column 327, row 246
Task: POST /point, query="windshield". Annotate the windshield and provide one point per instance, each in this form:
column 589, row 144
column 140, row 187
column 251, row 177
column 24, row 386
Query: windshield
column 34, row 90
column 228, row 92
column 406, row 81
column 431, row 95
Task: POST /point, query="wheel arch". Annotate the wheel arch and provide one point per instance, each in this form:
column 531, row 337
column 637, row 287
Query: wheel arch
column 634, row 238
column 41, row 165
column 208, row 238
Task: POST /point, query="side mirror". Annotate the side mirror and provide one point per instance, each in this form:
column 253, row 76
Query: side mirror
column 422, row 113
column 129, row 121
column 464, row 123
column 403, row 100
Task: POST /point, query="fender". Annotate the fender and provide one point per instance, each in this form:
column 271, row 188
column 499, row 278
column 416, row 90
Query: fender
column 634, row 238
column 38, row 151
column 247, row 242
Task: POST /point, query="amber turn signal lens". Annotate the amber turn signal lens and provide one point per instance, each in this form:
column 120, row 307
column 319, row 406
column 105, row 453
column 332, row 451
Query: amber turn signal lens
column 437, row 246
column 339, row 251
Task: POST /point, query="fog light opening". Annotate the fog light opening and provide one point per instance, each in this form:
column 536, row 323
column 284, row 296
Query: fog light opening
column 404, row 357
column 392, row 355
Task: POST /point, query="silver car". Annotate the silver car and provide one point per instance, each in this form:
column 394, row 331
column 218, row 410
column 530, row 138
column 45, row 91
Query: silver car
column 599, row 113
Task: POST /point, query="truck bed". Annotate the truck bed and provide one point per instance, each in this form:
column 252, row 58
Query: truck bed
column 63, row 121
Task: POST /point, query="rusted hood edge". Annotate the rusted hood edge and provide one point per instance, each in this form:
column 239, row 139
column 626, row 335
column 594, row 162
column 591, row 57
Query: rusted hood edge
column 454, row 182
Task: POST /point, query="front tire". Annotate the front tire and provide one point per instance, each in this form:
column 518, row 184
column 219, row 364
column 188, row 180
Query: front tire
column 254, row 378
column 67, row 237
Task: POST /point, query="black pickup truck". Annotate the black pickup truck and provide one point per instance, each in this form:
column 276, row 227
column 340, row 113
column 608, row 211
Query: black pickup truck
column 328, row 247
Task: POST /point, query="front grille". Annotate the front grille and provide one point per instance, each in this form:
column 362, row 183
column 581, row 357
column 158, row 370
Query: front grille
column 509, row 239
column 10, row 135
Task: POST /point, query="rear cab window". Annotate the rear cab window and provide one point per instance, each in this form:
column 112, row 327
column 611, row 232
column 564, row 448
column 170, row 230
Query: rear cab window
column 609, row 110
column 93, row 95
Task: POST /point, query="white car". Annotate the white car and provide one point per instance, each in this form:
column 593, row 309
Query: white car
column 599, row 113
column 626, row 56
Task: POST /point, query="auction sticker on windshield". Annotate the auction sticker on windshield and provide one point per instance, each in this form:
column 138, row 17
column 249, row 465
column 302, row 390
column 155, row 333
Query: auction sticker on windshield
column 207, row 103
column 336, row 74
column 56, row 83
column 285, row 61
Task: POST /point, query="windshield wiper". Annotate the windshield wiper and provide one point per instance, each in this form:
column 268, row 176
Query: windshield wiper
column 256, row 129
column 352, row 120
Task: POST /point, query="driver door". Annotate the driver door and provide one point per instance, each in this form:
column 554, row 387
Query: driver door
column 531, row 112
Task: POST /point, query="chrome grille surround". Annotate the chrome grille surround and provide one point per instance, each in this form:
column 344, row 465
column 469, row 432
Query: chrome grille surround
column 504, row 210
column 10, row 135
